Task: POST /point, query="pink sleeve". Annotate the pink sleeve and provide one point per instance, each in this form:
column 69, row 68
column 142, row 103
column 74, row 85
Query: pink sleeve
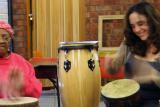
column 32, row 86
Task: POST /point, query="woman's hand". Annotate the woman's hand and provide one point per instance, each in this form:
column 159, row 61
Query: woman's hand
column 147, row 77
column 108, row 65
column 14, row 84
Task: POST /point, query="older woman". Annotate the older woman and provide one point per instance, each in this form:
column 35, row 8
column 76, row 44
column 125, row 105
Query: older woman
column 17, row 75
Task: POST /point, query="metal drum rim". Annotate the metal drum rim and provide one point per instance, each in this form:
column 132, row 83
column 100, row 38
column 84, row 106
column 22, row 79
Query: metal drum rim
column 78, row 45
column 125, row 97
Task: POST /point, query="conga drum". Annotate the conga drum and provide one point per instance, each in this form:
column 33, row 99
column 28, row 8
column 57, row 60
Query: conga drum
column 79, row 74
column 20, row 102
column 121, row 93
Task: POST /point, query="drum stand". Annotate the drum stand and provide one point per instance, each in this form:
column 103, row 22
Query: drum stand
column 55, row 83
column 49, row 72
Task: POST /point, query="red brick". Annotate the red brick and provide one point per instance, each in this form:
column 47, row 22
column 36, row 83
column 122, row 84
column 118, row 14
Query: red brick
column 20, row 33
column 19, row 38
column 18, row 1
column 96, row 2
column 20, row 23
column 19, row 17
column 93, row 14
column 91, row 8
column 20, row 51
column 19, row 44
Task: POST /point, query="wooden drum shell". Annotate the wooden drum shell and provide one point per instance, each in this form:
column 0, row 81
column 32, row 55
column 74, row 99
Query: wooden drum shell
column 80, row 86
column 131, row 101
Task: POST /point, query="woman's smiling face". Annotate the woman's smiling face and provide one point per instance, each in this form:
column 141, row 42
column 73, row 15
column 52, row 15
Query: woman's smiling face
column 139, row 25
column 4, row 43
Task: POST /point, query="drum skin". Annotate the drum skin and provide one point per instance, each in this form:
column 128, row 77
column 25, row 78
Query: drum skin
column 130, row 100
column 80, row 86
column 20, row 102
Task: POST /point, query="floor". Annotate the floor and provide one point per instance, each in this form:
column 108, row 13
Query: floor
column 49, row 99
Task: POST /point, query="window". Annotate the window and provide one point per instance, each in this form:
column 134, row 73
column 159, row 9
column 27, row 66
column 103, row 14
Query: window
column 110, row 28
column 5, row 13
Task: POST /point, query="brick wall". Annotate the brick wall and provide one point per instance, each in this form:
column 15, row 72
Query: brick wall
column 20, row 27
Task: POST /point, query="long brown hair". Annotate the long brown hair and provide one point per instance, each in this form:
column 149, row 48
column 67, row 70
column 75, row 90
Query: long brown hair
column 136, row 45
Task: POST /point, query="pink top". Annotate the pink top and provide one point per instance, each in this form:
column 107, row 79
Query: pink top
column 32, row 86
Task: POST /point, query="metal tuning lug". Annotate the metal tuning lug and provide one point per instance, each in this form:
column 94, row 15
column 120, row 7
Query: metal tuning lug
column 67, row 65
column 91, row 64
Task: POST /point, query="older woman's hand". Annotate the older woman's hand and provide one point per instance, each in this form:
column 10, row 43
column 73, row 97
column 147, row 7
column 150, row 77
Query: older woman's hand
column 13, row 87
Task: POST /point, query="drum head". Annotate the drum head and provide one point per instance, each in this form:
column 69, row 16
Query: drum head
column 121, row 88
column 18, row 101
column 78, row 45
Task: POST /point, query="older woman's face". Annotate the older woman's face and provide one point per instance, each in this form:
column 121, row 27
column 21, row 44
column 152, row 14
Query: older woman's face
column 4, row 43
column 139, row 25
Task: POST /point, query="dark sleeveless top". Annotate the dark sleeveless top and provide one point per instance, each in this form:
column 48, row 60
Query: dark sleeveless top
column 149, row 91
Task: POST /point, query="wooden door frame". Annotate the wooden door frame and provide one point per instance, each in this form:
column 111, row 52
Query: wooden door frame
column 29, row 28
